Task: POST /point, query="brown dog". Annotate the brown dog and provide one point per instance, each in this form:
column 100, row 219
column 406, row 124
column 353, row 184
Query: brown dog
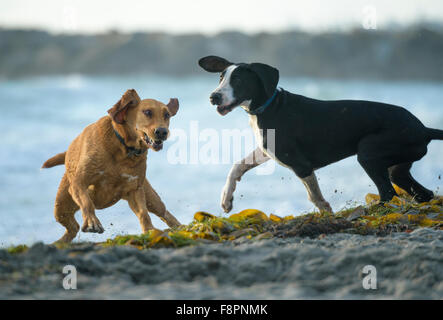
column 107, row 162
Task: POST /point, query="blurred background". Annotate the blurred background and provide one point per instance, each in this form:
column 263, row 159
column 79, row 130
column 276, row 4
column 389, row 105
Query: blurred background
column 64, row 63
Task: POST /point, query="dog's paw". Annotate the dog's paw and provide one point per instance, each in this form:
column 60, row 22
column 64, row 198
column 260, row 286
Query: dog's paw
column 325, row 206
column 227, row 204
column 92, row 224
column 227, row 198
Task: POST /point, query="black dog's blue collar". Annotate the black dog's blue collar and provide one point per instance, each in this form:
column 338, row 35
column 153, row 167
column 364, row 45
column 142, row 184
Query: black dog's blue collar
column 262, row 108
column 130, row 150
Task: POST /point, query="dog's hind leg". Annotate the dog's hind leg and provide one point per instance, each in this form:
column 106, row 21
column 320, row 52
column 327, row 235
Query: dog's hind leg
column 400, row 175
column 379, row 175
column 314, row 193
column 64, row 211
column 156, row 206
column 378, row 153
column 375, row 155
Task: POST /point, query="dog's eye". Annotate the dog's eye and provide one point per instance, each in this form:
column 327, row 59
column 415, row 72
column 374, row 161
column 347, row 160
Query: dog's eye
column 148, row 113
column 167, row 115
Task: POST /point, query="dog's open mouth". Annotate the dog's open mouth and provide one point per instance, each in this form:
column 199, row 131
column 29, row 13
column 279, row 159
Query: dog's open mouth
column 224, row 110
column 154, row 144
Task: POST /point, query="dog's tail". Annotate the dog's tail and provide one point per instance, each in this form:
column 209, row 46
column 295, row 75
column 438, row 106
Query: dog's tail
column 435, row 134
column 55, row 160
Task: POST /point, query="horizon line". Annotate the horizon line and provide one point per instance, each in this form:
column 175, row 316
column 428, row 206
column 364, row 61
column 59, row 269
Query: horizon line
column 393, row 26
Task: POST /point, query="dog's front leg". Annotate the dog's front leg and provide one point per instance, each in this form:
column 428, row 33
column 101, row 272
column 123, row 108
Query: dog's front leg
column 314, row 193
column 79, row 193
column 137, row 202
column 156, row 206
column 254, row 159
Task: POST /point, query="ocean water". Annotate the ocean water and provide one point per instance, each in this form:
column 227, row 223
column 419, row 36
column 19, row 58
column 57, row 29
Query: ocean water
column 41, row 116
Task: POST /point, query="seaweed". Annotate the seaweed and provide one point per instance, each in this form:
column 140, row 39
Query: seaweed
column 401, row 214
column 17, row 249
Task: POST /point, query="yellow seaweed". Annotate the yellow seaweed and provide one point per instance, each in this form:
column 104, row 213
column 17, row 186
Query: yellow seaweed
column 160, row 239
column 201, row 216
column 416, row 218
column 397, row 201
column 222, row 227
column 275, row 218
column 183, row 233
column 372, row 198
column 400, row 191
column 392, row 218
column 428, row 222
column 255, row 224
column 251, row 214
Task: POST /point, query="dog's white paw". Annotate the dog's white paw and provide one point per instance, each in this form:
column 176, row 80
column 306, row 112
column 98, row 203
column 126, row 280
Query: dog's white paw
column 227, row 204
column 227, row 196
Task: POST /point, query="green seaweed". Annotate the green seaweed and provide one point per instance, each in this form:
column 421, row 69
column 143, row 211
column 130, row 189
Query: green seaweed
column 18, row 249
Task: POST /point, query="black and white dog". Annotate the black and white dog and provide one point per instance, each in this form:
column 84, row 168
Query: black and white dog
column 310, row 134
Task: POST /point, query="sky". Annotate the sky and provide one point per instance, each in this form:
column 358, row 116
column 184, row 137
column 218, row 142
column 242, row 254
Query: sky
column 209, row 17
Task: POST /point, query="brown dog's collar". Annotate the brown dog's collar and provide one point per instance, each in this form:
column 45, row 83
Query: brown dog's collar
column 131, row 151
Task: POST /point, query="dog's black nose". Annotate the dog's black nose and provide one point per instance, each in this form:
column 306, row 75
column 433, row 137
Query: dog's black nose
column 161, row 133
column 216, row 98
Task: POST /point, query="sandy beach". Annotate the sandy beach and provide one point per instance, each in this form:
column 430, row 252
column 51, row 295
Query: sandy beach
column 408, row 266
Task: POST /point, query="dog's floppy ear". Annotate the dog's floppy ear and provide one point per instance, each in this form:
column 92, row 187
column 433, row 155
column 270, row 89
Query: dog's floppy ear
column 214, row 63
column 268, row 75
column 129, row 99
column 173, row 106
